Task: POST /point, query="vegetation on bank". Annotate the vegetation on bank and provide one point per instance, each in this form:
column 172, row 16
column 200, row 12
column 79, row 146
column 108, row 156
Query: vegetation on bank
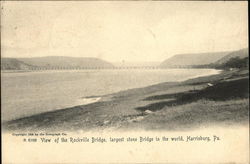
column 223, row 60
column 235, row 62
column 219, row 91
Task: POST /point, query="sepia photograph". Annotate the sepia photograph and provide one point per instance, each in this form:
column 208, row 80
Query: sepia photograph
column 125, row 82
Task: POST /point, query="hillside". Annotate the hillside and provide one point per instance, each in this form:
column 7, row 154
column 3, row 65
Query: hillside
column 13, row 64
column 240, row 53
column 234, row 62
column 54, row 62
column 190, row 60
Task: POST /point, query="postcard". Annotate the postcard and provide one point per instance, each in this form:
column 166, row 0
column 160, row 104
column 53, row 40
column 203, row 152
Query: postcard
column 124, row 82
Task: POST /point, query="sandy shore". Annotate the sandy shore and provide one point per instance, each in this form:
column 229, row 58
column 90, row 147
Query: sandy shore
column 168, row 106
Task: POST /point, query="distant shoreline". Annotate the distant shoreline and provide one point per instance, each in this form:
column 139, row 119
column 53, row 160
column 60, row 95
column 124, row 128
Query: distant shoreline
column 125, row 68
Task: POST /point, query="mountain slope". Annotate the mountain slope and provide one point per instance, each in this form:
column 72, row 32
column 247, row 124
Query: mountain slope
column 189, row 60
column 240, row 53
column 53, row 62
column 13, row 64
column 66, row 62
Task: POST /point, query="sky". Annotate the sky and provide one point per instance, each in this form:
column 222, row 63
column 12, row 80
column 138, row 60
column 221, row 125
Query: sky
column 139, row 31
